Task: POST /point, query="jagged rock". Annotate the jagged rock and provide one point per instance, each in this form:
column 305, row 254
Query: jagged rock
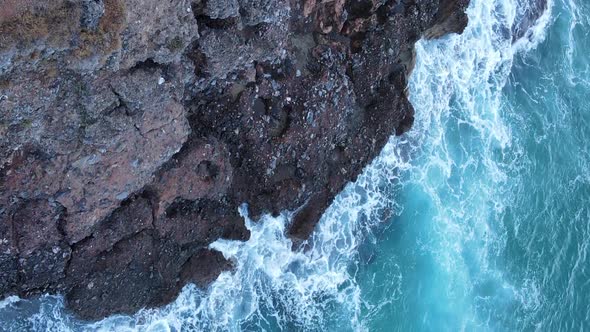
column 131, row 131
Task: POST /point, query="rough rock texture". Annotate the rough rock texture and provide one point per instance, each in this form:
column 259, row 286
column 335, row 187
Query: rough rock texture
column 131, row 130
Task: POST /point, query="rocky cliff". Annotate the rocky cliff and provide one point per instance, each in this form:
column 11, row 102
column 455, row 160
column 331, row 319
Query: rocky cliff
column 131, row 130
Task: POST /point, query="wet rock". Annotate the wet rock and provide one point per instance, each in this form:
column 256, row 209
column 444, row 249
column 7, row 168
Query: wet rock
column 125, row 222
column 8, row 256
column 200, row 222
column 122, row 280
column 42, row 250
column 527, row 18
column 155, row 256
column 131, row 131
column 197, row 271
column 450, row 18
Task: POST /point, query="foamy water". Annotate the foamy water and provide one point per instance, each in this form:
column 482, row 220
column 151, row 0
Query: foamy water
column 477, row 219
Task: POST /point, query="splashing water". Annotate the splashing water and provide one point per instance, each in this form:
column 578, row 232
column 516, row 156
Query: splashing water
column 477, row 219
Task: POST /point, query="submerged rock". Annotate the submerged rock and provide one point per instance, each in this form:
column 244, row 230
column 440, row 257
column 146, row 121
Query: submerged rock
column 132, row 130
column 527, row 16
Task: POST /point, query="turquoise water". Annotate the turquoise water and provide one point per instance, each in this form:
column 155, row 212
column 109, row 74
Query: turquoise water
column 495, row 230
column 476, row 220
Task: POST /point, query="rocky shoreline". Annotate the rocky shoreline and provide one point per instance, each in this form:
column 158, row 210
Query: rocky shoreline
column 131, row 131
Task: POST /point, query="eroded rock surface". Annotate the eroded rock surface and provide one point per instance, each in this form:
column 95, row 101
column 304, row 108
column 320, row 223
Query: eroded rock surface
column 131, row 130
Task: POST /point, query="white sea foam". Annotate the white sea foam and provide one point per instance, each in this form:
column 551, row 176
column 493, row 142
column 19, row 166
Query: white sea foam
column 536, row 34
column 455, row 89
column 8, row 302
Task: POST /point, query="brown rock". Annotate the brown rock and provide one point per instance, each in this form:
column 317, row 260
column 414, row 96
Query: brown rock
column 131, row 130
column 203, row 267
column 201, row 170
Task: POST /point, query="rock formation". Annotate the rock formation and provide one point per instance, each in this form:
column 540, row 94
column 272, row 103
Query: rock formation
column 131, row 130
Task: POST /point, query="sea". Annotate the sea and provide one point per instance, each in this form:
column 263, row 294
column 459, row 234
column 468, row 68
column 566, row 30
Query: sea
column 477, row 219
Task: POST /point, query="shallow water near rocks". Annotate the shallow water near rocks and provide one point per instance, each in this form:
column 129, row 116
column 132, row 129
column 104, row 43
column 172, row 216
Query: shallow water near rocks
column 477, row 219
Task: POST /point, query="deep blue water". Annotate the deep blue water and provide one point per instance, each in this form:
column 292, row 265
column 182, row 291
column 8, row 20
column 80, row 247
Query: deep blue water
column 478, row 219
